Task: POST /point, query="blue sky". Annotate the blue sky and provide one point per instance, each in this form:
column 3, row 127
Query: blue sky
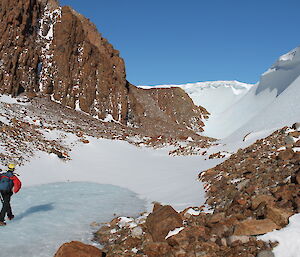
column 176, row 41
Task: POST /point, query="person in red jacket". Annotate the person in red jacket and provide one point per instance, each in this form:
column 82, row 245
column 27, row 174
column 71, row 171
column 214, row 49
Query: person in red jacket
column 9, row 184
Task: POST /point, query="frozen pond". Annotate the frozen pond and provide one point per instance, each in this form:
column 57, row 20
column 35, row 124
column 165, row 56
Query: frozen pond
column 48, row 215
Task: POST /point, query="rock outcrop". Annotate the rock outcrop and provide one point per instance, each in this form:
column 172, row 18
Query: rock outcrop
column 52, row 51
column 161, row 221
column 78, row 249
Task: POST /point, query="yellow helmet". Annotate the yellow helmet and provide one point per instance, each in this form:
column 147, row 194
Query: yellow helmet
column 11, row 166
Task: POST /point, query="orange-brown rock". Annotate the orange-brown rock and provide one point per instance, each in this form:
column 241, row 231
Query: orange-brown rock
column 257, row 200
column 78, row 249
column 187, row 236
column 252, row 227
column 243, row 239
column 160, row 222
column 161, row 107
column 286, row 154
column 217, row 217
column 156, row 249
column 278, row 215
column 294, row 134
column 298, row 177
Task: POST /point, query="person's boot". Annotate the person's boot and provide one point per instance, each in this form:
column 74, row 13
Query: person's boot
column 11, row 217
column 2, row 223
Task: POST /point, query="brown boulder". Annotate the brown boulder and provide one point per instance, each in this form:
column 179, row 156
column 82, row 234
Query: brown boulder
column 187, row 236
column 294, row 134
column 286, row 154
column 256, row 201
column 161, row 221
column 243, row 239
column 217, row 217
column 157, row 249
column 254, row 227
column 278, row 215
column 298, row 177
column 78, row 249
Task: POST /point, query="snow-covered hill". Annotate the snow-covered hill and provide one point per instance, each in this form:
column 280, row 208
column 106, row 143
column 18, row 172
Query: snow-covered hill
column 242, row 111
column 268, row 105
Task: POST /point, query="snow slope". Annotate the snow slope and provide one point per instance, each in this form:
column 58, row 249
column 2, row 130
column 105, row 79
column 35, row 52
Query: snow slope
column 268, row 105
column 275, row 99
column 288, row 238
column 238, row 109
column 151, row 173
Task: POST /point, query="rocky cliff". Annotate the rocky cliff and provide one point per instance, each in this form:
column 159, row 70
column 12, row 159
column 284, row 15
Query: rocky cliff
column 52, row 51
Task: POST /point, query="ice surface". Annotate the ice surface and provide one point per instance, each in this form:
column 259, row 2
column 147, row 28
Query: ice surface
column 49, row 215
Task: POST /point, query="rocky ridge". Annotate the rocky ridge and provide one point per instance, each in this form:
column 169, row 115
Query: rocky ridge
column 54, row 52
column 39, row 124
column 253, row 192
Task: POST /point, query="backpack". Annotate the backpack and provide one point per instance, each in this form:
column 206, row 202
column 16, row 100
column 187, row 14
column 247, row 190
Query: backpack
column 6, row 183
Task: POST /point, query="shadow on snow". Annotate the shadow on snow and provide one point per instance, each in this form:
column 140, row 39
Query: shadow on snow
column 35, row 209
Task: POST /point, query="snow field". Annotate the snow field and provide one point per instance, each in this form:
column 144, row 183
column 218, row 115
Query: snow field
column 288, row 238
column 152, row 174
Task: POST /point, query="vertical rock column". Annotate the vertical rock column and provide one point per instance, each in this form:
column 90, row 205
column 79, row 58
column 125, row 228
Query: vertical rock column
column 19, row 55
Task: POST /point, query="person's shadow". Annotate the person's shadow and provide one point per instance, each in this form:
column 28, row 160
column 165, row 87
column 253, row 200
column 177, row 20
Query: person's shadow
column 34, row 209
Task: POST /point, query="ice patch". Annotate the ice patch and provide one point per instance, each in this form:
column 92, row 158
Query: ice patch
column 47, row 216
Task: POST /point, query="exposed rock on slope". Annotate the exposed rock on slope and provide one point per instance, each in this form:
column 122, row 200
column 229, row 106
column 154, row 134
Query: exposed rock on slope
column 25, row 127
column 160, row 108
column 253, row 192
column 53, row 51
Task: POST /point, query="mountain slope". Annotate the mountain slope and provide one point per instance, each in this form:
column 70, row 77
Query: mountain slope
column 266, row 106
column 214, row 96
column 273, row 103
column 51, row 51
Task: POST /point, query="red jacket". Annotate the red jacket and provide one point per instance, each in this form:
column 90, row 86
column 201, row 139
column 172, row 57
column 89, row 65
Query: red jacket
column 17, row 184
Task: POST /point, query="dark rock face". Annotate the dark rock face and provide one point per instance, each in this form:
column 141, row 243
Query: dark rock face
column 19, row 55
column 95, row 80
column 53, row 51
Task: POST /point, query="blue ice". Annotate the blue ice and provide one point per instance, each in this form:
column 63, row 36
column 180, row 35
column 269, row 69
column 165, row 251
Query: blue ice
column 49, row 215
